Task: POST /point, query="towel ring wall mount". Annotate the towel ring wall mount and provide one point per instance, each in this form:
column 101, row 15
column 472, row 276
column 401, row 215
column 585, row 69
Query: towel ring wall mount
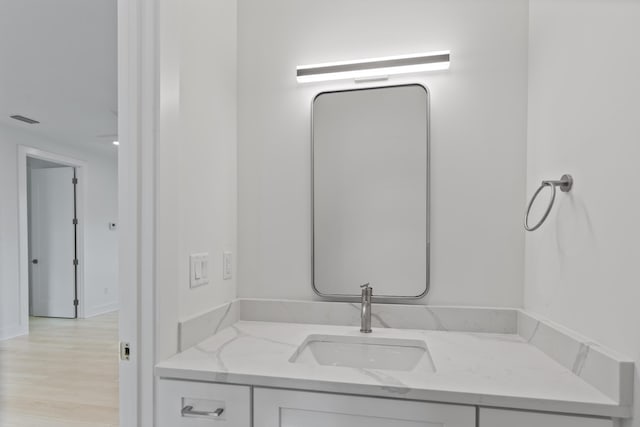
column 565, row 183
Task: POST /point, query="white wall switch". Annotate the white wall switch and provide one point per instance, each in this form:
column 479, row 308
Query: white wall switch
column 227, row 266
column 198, row 269
column 204, row 267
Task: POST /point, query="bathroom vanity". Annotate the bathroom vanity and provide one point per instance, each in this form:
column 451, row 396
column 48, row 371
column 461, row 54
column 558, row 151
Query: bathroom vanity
column 266, row 363
column 283, row 363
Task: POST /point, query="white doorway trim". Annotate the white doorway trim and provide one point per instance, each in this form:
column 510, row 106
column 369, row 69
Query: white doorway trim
column 23, row 224
column 138, row 120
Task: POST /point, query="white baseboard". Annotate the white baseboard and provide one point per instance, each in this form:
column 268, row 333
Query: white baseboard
column 12, row 332
column 101, row 309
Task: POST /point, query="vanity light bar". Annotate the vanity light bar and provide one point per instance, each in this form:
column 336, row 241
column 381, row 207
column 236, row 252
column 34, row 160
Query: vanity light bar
column 374, row 67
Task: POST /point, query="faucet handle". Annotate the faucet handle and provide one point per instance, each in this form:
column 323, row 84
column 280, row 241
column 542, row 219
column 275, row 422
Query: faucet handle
column 367, row 290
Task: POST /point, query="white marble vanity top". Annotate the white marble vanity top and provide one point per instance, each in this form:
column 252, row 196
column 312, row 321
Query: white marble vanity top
column 476, row 368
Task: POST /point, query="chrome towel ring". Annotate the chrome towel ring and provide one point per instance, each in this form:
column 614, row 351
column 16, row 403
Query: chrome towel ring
column 565, row 183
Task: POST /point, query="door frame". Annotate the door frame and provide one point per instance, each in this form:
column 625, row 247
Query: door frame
column 138, row 118
column 24, row 152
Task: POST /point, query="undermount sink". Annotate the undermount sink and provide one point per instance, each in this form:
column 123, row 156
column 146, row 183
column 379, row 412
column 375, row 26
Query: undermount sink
column 365, row 353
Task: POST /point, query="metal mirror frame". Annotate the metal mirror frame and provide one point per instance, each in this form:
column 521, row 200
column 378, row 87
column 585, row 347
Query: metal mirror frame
column 376, row 298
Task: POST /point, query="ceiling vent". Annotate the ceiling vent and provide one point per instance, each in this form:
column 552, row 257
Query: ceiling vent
column 24, row 119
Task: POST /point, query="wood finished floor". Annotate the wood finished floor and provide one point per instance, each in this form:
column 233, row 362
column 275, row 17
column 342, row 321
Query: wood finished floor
column 63, row 374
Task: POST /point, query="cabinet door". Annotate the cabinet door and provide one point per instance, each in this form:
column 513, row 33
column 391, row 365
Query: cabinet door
column 196, row 404
column 508, row 418
column 284, row 408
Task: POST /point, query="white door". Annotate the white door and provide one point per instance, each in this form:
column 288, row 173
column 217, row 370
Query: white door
column 52, row 236
column 286, row 408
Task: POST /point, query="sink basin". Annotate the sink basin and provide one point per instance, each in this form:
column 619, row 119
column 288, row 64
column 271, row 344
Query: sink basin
column 365, row 353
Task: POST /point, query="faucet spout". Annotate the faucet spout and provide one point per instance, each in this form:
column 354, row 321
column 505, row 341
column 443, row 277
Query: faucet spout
column 365, row 311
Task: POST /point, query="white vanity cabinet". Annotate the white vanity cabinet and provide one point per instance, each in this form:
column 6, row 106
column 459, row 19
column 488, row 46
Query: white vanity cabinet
column 201, row 404
column 197, row 404
column 512, row 418
column 286, row 408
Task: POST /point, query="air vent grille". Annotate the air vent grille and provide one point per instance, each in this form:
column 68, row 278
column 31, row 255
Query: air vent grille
column 24, row 119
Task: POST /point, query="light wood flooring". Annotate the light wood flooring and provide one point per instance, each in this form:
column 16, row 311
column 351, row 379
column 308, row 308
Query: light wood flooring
column 63, row 374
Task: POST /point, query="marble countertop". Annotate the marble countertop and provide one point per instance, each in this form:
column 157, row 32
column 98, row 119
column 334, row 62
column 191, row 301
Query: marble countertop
column 475, row 368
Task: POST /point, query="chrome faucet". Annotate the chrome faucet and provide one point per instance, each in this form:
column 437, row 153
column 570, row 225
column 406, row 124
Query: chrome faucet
column 365, row 311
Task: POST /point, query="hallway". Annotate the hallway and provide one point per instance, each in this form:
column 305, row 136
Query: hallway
column 64, row 373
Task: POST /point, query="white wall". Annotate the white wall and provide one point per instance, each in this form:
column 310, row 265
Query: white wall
column 478, row 133
column 100, row 243
column 584, row 109
column 101, row 248
column 196, row 180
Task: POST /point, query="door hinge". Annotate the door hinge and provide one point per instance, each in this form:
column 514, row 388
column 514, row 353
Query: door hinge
column 75, row 221
column 74, row 180
column 124, row 351
column 75, row 302
column 75, row 262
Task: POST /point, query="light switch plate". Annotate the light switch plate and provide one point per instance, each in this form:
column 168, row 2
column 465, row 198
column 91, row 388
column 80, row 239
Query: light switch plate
column 198, row 269
column 227, row 265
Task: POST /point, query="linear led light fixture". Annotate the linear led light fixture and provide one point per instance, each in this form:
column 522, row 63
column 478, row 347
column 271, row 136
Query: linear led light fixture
column 374, row 67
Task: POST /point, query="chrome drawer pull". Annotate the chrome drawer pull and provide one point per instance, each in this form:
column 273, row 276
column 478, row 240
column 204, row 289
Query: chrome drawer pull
column 188, row 411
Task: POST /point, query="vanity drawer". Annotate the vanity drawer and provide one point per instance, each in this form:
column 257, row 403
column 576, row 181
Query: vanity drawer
column 513, row 418
column 196, row 404
column 288, row 408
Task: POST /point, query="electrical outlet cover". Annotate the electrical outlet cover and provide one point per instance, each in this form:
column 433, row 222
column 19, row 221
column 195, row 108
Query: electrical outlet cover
column 227, row 265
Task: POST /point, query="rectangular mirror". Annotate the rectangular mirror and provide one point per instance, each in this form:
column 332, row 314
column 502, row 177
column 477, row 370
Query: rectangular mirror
column 371, row 192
